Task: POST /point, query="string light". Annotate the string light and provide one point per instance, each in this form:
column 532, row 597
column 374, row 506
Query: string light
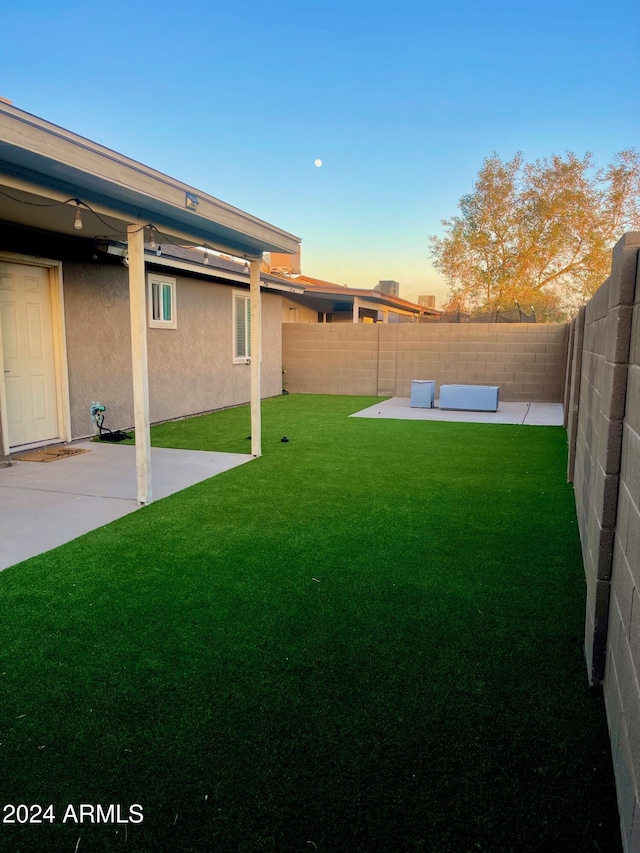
column 79, row 225
column 78, row 220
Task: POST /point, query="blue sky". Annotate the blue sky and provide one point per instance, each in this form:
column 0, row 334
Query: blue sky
column 401, row 100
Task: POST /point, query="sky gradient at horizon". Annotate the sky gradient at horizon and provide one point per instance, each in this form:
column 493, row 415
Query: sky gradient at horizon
column 401, row 102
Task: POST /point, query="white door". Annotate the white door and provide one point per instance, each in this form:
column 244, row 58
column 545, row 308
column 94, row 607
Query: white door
column 29, row 361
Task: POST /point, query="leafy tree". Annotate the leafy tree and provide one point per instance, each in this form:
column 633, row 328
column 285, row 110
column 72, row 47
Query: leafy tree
column 540, row 233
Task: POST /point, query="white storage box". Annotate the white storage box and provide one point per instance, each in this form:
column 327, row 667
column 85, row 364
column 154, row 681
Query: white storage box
column 423, row 393
column 470, row 398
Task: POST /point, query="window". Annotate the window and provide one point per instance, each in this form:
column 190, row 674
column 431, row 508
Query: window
column 162, row 302
column 241, row 328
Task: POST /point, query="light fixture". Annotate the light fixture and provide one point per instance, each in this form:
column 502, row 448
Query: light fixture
column 159, row 251
column 191, row 201
column 206, row 256
column 78, row 220
column 152, row 240
column 111, row 248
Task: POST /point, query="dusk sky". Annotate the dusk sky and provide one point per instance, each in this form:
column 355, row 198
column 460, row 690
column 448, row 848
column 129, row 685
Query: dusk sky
column 400, row 100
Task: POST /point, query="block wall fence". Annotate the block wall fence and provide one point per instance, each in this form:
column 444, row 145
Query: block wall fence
column 527, row 361
column 602, row 415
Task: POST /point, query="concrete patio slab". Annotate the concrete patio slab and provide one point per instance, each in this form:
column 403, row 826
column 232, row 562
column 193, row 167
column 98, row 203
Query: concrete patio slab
column 43, row 505
column 531, row 414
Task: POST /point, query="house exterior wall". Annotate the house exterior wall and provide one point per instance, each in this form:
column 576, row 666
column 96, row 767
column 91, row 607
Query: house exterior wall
column 191, row 367
column 342, row 317
column 527, row 361
column 604, row 465
column 294, row 312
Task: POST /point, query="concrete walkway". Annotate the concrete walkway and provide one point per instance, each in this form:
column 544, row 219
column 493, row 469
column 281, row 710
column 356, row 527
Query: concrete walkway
column 43, row 505
column 531, row 414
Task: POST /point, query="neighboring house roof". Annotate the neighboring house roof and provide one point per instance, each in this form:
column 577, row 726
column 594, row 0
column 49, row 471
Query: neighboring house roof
column 326, row 288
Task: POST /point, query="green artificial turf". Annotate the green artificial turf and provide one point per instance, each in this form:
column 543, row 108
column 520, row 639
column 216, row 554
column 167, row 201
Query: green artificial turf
column 369, row 639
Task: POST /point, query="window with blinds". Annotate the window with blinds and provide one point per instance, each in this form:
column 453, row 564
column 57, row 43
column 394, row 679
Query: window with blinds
column 241, row 327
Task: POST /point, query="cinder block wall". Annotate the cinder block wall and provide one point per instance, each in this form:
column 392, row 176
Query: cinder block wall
column 330, row 358
column 604, row 429
column 527, row 361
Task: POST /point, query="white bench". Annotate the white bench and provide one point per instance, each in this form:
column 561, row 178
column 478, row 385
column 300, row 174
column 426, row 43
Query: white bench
column 471, row 398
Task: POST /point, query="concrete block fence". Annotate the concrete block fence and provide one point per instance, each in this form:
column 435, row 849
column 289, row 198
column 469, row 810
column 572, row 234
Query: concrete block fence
column 602, row 413
column 527, row 361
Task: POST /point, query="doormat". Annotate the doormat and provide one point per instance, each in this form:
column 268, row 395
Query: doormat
column 49, row 454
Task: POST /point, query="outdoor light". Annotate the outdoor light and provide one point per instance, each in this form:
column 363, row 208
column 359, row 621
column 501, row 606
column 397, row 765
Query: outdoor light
column 159, row 251
column 206, row 257
column 191, row 201
column 152, row 241
column 78, row 220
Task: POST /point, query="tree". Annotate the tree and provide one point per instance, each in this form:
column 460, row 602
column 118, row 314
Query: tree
column 540, row 233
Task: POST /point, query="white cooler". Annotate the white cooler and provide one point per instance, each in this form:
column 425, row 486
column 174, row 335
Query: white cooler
column 423, row 393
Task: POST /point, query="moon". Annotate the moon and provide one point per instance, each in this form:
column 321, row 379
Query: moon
column 317, row 163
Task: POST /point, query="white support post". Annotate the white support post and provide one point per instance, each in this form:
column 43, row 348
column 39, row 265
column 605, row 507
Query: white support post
column 356, row 309
column 256, row 357
column 140, row 368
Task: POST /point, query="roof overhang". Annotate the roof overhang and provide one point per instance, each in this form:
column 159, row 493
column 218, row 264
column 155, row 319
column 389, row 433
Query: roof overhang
column 42, row 163
column 223, row 275
column 192, row 261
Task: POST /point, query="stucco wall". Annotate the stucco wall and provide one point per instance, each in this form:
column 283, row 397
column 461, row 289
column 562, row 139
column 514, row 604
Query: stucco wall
column 604, row 427
column 527, row 361
column 294, row 312
column 191, row 367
